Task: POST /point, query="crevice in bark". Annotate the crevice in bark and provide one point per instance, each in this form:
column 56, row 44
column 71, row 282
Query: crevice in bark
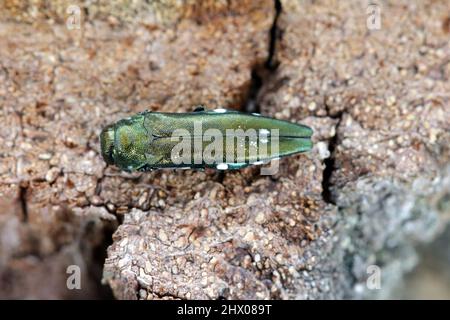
column 262, row 71
column 271, row 63
column 329, row 165
column 256, row 82
column 99, row 255
column 23, row 202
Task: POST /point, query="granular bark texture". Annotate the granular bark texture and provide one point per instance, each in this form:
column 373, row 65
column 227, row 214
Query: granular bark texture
column 376, row 184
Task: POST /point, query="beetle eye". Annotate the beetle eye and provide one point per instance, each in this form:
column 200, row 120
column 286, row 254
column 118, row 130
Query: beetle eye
column 107, row 144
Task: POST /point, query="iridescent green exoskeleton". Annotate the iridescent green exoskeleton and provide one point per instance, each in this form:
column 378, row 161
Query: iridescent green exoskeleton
column 219, row 138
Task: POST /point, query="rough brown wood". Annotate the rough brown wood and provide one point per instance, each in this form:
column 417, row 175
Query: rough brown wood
column 375, row 185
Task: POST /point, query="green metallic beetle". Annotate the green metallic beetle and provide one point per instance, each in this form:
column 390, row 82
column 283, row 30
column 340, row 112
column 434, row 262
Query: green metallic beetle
column 221, row 139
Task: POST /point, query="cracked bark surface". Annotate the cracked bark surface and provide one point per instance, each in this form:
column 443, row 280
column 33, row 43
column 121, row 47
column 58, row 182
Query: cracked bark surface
column 377, row 100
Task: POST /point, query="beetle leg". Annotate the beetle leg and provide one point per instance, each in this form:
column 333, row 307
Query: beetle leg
column 145, row 168
column 199, row 108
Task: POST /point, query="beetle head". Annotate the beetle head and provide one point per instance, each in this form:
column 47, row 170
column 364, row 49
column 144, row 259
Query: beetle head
column 107, row 143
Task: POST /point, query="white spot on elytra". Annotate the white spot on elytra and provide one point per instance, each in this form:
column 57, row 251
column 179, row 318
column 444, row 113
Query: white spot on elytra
column 222, row 166
column 220, row 110
column 258, row 163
